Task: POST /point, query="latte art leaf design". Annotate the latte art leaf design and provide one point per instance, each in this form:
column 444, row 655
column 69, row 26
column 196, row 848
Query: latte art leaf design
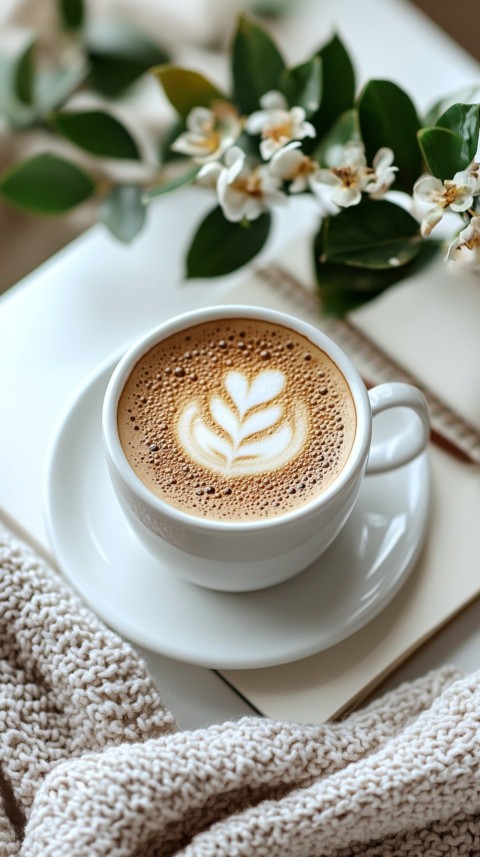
column 266, row 386
column 247, row 431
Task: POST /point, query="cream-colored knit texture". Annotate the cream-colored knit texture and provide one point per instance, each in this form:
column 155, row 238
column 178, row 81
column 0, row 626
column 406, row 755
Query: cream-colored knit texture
column 67, row 683
column 92, row 765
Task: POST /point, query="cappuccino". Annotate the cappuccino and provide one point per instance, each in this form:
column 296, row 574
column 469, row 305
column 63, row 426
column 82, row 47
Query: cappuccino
column 236, row 420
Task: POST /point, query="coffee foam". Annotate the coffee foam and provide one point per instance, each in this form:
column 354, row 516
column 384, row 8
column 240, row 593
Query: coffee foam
column 236, row 419
column 243, row 433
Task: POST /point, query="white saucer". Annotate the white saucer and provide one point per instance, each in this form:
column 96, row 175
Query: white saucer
column 143, row 599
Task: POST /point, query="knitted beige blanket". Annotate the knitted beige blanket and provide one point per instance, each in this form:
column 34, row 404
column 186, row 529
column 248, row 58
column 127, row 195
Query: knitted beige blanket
column 92, row 764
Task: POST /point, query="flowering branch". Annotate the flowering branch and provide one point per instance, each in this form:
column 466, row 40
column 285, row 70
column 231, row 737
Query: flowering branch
column 286, row 132
column 381, row 177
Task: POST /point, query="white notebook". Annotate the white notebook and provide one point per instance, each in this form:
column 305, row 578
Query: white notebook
column 411, row 318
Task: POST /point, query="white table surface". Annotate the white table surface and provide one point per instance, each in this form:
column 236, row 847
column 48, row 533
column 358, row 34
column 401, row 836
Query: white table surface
column 96, row 295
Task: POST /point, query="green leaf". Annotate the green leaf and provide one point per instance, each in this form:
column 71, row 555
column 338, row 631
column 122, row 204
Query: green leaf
column 118, row 56
column 186, row 89
column 450, row 146
column 440, row 149
column 185, row 178
column 466, row 95
column 220, row 247
column 72, row 13
column 55, row 85
column 344, row 129
column 257, row 64
column 373, row 234
column 302, row 85
column 463, row 120
column 388, row 117
column 13, row 112
column 96, row 132
column 343, row 288
column 123, row 212
column 23, row 75
column 338, row 88
column 46, row 184
column 44, row 88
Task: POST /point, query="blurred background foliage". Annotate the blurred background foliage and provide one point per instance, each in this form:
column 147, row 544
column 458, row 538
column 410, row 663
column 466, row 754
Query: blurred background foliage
column 90, row 127
column 73, row 88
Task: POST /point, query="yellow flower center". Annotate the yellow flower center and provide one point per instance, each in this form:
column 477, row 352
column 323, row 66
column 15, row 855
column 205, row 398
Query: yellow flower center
column 451, row 193
column 349, row 176
column 305, row 167
column 250, row 185
column 211, row 141
column 278, row 131
column 224, row 120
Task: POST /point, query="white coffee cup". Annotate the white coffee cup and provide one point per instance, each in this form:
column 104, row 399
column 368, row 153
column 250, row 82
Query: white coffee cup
column 243, row 555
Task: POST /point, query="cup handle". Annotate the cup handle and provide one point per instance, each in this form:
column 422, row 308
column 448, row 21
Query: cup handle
column 411, row 438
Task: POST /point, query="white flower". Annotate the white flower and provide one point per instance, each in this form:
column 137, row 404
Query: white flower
column 210, row 132
column 467, row 244
column 383, row 173
column 209, row 173
column 341, row 185
column 471, row 177
column 277, row 124
column 290, row 164
column 244, row 192
column 348, row 176
column 456, row 195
